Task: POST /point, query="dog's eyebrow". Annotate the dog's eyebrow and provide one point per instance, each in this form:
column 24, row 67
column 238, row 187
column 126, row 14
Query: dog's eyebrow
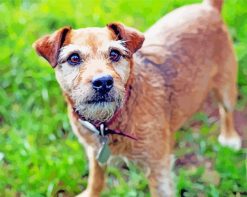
column 72, row 48
column 119, row 44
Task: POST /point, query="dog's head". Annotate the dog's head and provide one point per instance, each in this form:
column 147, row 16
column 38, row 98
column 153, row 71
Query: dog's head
column 93, row 66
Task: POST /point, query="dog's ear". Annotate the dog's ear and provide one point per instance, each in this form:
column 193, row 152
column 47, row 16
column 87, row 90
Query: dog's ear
column 133, row 38
column 49, row 45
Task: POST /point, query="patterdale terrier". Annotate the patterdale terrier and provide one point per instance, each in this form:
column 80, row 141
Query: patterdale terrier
column 126, row 96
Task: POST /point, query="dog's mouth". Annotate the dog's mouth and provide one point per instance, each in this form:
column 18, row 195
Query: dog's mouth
column 99, row 99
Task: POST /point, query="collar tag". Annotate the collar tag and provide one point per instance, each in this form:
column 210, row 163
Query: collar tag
column 104, row 152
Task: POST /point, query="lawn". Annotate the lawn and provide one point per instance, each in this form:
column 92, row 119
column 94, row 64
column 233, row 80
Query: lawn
column 40, row 156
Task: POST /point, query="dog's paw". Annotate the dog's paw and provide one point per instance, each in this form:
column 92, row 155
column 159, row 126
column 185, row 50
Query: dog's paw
column 231, row 142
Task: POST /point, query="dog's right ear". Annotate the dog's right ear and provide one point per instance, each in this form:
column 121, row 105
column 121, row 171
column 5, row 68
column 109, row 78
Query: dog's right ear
column 49, row 45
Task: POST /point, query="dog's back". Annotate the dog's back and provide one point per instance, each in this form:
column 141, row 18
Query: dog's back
column 196, row 55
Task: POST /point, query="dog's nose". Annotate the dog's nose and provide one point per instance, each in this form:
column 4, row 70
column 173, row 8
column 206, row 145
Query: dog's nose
column 103, row 84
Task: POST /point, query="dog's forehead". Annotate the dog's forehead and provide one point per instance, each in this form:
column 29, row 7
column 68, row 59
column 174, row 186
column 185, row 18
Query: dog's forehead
column 92, row 36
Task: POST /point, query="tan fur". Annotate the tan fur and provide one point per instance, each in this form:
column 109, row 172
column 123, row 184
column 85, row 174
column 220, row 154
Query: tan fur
column 185, row 55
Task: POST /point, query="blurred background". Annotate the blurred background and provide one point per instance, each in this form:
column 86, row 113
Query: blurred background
column 40, row 156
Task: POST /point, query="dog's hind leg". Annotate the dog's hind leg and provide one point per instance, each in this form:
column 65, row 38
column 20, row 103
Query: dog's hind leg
column 228, row 135
column 226, row 93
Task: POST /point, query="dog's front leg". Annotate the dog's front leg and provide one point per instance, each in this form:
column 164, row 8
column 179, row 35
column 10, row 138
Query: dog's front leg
column 160, row 178
column 96, row 176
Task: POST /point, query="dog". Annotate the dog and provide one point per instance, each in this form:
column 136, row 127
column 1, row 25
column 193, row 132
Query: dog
column 126, row 97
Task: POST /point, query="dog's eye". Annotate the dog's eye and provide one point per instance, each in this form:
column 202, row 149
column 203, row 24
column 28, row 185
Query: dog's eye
column 115, row 55
column 74, row 59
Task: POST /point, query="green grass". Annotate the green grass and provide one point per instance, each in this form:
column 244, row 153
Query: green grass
column 39, row 155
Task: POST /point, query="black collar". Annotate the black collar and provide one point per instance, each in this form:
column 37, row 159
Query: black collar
column 102, row 129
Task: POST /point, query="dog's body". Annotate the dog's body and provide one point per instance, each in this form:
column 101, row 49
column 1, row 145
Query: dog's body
column 185, row 55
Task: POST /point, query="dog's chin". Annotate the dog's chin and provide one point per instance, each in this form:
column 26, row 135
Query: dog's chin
column 101, row 111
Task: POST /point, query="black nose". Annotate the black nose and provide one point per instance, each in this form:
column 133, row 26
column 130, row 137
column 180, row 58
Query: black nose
column 103, row 84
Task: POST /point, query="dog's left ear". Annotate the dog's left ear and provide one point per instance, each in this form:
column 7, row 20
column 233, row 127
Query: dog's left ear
column 48, row 46
column 133, row 38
